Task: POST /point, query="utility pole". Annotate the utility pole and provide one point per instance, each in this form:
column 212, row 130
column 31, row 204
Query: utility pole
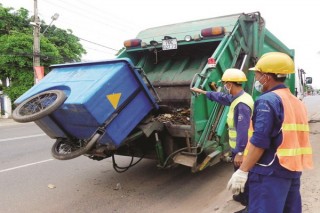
column 36, row 41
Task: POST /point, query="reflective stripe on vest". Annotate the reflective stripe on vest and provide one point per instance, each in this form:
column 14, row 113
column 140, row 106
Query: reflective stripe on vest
column 250, row 133
column 294, row 152
column 293, row 127
column 246, row 99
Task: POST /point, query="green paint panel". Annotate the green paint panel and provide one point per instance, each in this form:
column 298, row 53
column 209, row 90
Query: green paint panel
column 172, row 71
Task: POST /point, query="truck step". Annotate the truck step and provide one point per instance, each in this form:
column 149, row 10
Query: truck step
column 185, row 160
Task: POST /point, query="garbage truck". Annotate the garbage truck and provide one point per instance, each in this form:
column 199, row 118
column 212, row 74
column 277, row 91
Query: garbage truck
column 140, row 105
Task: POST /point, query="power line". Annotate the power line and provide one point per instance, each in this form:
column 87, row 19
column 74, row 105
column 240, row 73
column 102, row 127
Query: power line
column 114, row 17
column 79, row 11
column 96, row 44
column 99, row 50
column 73, row 23
column 76, row 9
column 50, row 3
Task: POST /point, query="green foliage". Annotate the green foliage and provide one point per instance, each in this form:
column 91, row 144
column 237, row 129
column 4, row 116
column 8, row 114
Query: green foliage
column 14, row 21
column 17, row 65
column 22, row 83
column 68, row 45
column 16, row 49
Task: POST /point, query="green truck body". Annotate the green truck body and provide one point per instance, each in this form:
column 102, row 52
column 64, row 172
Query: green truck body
column 238, row 42
column 140, row 104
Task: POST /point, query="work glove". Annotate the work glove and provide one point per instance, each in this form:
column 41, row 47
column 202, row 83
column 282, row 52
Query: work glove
column 237, row 182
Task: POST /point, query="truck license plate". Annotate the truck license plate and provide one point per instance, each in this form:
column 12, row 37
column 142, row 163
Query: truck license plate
column 169, row 44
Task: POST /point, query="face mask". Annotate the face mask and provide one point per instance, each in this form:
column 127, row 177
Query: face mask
column 226, row 90
column 258, row 86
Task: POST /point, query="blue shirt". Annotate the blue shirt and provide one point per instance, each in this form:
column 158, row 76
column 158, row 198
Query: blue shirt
column 267, row 119
column 242, row 114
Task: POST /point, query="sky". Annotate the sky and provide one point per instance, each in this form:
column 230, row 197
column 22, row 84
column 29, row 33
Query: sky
column 103, row 25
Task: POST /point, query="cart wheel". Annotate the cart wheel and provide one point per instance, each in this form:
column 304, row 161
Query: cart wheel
column 66, row 149
column 38, row 106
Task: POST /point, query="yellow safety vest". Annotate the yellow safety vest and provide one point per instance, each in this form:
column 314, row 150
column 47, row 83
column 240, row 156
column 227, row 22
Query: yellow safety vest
column 246, row 99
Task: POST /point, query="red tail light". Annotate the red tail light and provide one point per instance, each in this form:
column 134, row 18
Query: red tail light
column 132, row 43
column 213, row 31
column 211, row 62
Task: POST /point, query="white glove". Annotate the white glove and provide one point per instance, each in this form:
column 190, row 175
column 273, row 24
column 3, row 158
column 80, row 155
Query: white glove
column 237, row 182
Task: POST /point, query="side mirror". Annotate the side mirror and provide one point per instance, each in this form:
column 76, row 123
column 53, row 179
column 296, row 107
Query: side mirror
column 308, row 80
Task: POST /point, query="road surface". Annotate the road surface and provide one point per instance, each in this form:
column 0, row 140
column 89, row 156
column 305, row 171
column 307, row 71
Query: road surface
column 32, row 181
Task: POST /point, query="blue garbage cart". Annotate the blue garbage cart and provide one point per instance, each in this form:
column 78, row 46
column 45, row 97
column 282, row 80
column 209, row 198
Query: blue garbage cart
column 107, row 95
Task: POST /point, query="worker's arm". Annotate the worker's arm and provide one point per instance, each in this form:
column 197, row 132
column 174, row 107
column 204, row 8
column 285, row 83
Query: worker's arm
column 267, row 121
column 197, row 90
column 254, row 154
column 239, row 178
column 220, row 97
column 263, row 123
column 242, row 117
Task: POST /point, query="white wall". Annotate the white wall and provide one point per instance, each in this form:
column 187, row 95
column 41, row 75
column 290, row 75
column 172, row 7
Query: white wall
column 7, row 107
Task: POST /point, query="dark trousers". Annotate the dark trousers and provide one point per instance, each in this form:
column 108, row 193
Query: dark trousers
column 274, row 194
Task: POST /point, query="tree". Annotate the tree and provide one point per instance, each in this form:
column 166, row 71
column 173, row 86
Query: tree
column 16, row 61
column 16, row 49
column 68, row 45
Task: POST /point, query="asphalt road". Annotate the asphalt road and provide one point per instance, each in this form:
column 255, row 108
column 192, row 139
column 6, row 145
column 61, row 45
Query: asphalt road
column 32, row 181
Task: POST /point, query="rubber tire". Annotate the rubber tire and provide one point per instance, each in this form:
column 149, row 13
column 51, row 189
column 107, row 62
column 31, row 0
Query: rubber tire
column 61, row 97
column 76, row 153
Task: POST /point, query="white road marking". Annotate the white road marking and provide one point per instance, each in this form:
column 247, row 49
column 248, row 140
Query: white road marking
column 26, row 165
column 23, row 137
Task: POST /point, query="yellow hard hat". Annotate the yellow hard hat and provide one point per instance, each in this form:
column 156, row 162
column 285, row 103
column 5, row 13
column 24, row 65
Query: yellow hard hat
column 275, row 62
column 233, row 75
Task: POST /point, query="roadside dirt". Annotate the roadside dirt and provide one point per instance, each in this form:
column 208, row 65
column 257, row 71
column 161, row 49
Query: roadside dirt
column 310, row 187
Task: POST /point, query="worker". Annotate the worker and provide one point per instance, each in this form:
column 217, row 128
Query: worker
column 238, row 118
column 279, row 148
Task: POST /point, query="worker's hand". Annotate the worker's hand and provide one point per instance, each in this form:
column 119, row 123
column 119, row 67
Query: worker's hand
column 237, row 182
column 197, row 90
column 237, row 161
